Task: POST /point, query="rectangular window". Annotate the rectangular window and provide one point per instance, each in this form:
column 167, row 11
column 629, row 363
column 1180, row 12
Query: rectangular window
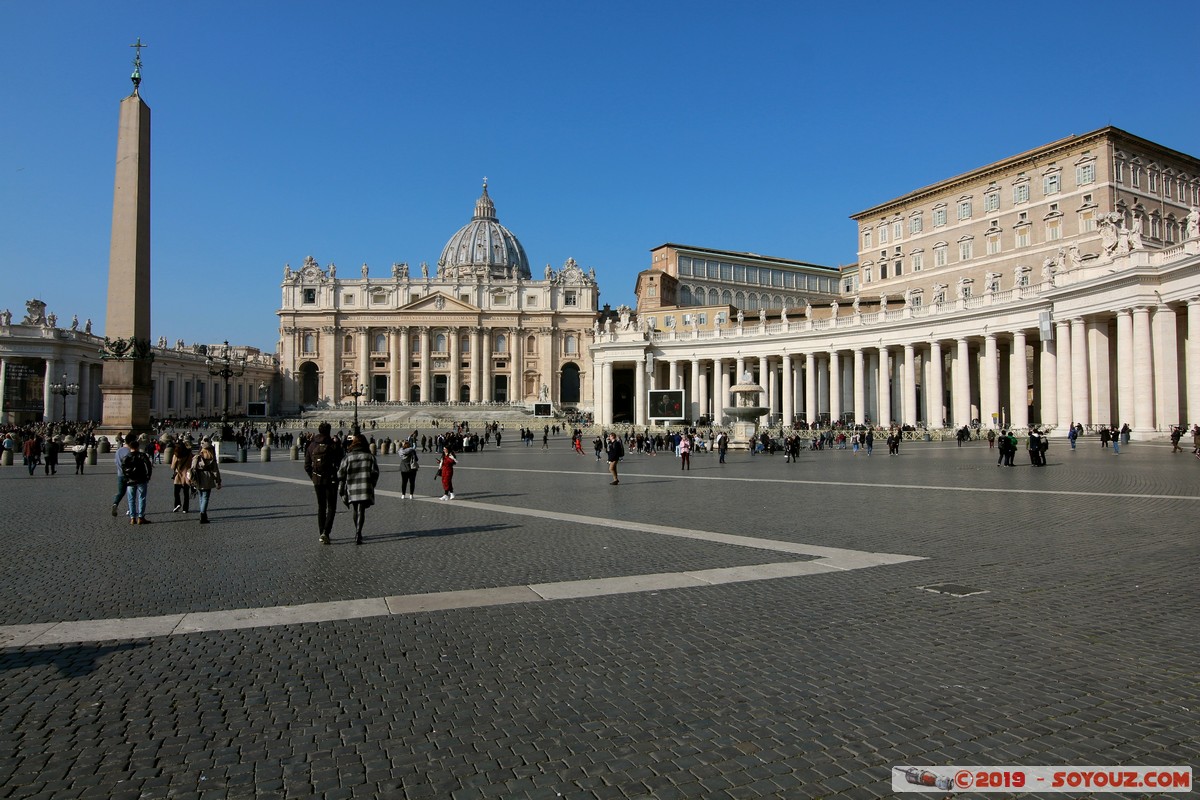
column 789, row 280
column 1050, row 183
column 1168, row 188
column 310, row 297
column 1085, row 174
column 685, row 266
column 710, row 269
column 1023, row 237
column 702, row 318
column 1053, row 231
column 964, row 209
column 726, row 271
column 751, row 274
column 966, row 250
column 939, row 217
column 1137, row 176
column 1087, row 221
column 993, row 244
column 882, row 272
column 777, row 278
column 914, row 225
column 918, row 261
column 991, row 201
column 1153, row 181
column 883, row 234
column 1119, row 171
column 531, row 300
column 866, row 275
column 1021, row 193
column 939, row 256
column 897, row 231
column 898, row 269
column 867, row 240
column 739, row 273
column 570, row 298
column 500, row 300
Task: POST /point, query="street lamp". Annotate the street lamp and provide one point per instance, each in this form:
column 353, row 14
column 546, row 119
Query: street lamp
column 226, row 366
column 64, row 390
column 357, row 391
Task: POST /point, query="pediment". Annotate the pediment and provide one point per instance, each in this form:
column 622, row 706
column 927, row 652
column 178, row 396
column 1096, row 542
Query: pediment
column 441, row 303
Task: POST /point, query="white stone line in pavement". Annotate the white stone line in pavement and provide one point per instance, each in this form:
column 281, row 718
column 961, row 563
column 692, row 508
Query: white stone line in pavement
column 840, row 484
column 827, row 559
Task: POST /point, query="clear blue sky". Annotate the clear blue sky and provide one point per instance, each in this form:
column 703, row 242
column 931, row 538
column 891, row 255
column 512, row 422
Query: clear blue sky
column 361, row 132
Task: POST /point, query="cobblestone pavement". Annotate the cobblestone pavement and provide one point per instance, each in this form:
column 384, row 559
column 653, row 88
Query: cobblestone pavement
column 1081, row 647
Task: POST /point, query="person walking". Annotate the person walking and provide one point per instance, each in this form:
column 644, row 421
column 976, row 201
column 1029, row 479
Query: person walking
column 321, row 460
column 138, row 469
column 409, row 464
column 1073, row 436
column 181, row 465
column 616, row 451
column 1176, row 435
column 122, row 484
column 357, row 474
column 53, row 447
column 446, row 473
column 722, row 446
column 79, row 450
column 205, row 473
column 32, row 451
column 685, row 452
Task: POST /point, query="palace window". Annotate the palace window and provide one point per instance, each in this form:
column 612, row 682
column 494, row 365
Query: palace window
column 1053, row 231
column 1087, row 221
column 883, row 234
column 939, row 216
column 993, row 244
column 1021, row 193
column 867, row 240
column 1050, row 183
column 915, row 224
column 1085, row 173
column 1119, row 170
column 1136, row 175
column 918, row 261
column 939, row 254
column 966, row 250
column 310, row 343
column 309, row 297
column 348, row 344
column 897, row 230
column 1153, row 176
column 991, row 201
column 570, row 298
column 964, row 209
column 380, row 343
column 570, row 345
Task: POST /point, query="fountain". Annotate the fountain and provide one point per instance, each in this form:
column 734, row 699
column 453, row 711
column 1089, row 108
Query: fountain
column 744, row 413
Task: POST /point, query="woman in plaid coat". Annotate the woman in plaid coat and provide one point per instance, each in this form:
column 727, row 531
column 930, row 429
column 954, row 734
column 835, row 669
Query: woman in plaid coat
column 358, row 474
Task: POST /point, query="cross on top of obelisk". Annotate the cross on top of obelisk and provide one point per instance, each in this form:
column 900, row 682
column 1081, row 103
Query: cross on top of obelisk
column 136, row 77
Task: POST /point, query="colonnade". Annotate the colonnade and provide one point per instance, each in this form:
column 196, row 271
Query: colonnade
column 1138, row 364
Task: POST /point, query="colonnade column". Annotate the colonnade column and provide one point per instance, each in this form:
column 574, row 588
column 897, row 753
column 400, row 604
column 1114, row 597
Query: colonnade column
column 835, row 386
column 404, row 362
column 885, row 388
column 516, row 389
column 935, row 393
column 1143, row 372
column 397, row 355
column 990, row 388
column 910, row 386
column 426, row 364
column 723, row 384
column 1080, row 403
column 696, row 401
column 673, row 374
column 1193, row 360
column 485, row 366
column 452, row 391
column 860, row 394
column 3, row 381
column 1124, row 364
column 329, row 378
column 704, row 396
column 1062, row 335
column 962, row 384
column 1048, row 384
column 1166, row 366
column 364, row 360
column 810, row 388
column 789, row 383
column 739, row 369
column 603, row 414
column 47, row 395
column 639, row 391
column 476, row 365
column 1018, row 383
column 765, row 383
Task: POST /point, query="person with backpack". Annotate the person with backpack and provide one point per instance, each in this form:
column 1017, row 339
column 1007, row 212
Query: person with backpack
column 409, row 464
column 181, row 463
column 322, row 458
column 204, row 472
column 357, row 475
column 138, row 470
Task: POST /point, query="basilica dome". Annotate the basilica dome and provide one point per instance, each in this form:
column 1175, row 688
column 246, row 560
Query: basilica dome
column 483, row 247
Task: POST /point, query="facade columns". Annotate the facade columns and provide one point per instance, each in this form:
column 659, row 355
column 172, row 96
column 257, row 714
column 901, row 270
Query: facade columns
column 765, row 384
column 673, row 374
column 860, row 394
column 604, row 414
column 723, row 384
column 789, row 383
column 910, row 386
column 700, row 381
column 331, row 380
column 935, row 395
column 1018, row 383
column 1048, row 384
column 1143, row 372
column 364, row 361
column 476, row 365
column 47, row 396
column 452, row 344
column 835, row 387
column 1124, row 364
column 810, row 388
column 990, row 385
column 639, row 391
column 426, row 364
column 1193, row 360
column 394, row 394
column 1166, row 366
column 885, row 387
column 516, row 389
column 486, row 394
column 1080, row 403
column 1062, row 336
column 962, row 384
column 695, row 402
column 3, row 387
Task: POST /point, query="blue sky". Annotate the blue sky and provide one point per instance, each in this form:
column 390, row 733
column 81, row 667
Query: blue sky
column 361, row 132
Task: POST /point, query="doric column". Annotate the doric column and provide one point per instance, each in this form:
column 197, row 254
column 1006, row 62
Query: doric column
column 476, row 364
column 426, row 364
column 910, row 385
column 1018, row 382
column 604, row 414
column 1166, row 366
column 1193, row 360
column 639, row 391
column 810, row 388
column 3, row 387
column 789, row 383
column 673, row 374
column 990, row 385
column 1143, row 372
column 835, row 386
column 822, row 380
column 364, row 360
column 703, row 391
column 772, row 388
column 52, row 376
column 486, row 395
column 885, row 388
column 724, row 389
column 404, row 361
column 1048, row 386
column 1080, row 401
column 935, row 415
column 765, row 384
column 455, row 357
column 739, row 369
column 694, row 392
column 394, row 358
column 860, row 394
column 1066, row 410
column 1124, row 365
column 962, row 384
column 331, row 386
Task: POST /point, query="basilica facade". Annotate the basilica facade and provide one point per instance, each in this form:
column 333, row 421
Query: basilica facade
column 478, row 328
column 1057, row 286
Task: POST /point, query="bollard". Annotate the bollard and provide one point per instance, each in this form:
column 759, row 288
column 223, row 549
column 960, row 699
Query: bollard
column 374, row 449
column 241, row 455
column 91, row 455
column 265, row 454
column 168, row 453
column 6, row 459
column 103, row 444
column 295, row 452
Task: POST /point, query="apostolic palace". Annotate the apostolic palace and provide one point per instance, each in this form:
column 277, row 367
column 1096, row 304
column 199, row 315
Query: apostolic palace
column 1060, row 285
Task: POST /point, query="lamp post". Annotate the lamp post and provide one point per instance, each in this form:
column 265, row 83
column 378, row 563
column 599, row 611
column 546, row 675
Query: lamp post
column 356, row 392
column 64, row 390
column 226, row 366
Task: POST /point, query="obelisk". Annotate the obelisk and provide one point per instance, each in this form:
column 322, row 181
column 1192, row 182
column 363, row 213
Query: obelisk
column 125, row 386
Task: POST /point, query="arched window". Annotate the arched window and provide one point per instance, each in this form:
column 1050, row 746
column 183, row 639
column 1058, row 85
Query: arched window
column 569, row 345
column 439, row 343
column 531, row 345
column 416, row 346
column 380, row 343
column 310, row 344
column 727, row 297
column 739, row 300
column 465, row 344
column 348, row 344
column 713, row 297
column 752, row 302
column 685, row 296
column 501, row 344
